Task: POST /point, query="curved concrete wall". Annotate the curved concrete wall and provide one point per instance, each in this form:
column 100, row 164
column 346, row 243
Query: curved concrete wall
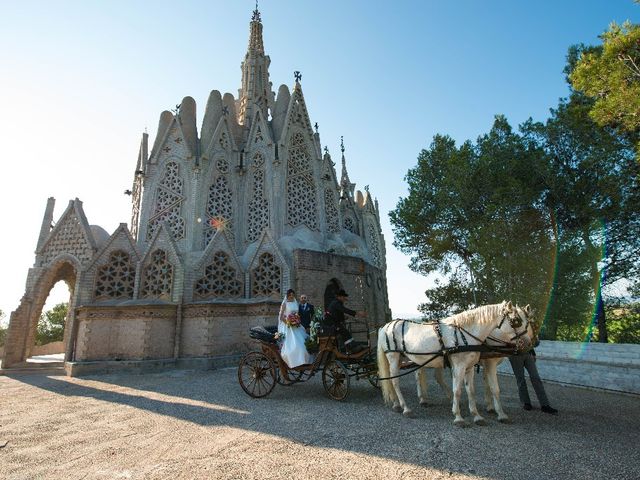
column 607, row 366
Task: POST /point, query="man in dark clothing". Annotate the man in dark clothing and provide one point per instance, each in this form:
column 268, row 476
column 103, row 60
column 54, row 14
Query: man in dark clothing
column 306, row 312
column 518, row 364
column 336, row 320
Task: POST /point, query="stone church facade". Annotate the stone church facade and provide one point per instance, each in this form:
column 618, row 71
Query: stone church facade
column 224, row 221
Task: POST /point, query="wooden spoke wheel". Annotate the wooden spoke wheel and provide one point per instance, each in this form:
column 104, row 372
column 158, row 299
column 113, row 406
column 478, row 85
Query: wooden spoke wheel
column 257, row 374
column 335, row 379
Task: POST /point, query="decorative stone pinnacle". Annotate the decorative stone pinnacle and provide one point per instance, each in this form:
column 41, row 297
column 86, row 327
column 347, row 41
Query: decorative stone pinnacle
column 256, row 14
column 316, row 127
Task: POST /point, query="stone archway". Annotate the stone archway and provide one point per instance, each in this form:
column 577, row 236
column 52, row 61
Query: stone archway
column 23, row 323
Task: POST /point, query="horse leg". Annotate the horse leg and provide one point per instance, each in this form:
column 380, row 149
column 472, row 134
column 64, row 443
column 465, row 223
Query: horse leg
column 491, row 367
column 458, row 379
column 469, row 375
column 421, row 383
column 486, row 383
column 439, row 372
column 399, row 405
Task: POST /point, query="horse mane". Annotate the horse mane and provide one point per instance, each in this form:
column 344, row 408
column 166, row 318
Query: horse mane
column 477, row 316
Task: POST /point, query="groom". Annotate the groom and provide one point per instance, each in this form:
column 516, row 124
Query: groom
column 306, row 312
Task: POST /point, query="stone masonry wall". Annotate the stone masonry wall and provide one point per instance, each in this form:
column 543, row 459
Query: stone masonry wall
column 365, row 284
column 132, row 333
column 210, row 330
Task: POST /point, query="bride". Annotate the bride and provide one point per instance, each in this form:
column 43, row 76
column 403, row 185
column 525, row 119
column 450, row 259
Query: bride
column 293, row 351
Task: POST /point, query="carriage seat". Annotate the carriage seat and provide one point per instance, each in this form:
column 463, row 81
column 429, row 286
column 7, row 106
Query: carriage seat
column 264, row 334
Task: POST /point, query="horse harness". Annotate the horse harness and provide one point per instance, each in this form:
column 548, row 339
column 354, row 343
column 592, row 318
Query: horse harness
column 458, row 334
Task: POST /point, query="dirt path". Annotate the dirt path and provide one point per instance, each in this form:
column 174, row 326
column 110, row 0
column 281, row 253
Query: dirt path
column 186, row 425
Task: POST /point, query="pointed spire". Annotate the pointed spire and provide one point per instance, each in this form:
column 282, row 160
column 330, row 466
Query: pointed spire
column 255, row 92
column 345, row 183
column 255, row 32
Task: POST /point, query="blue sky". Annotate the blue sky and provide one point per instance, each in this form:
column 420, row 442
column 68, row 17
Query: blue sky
column 80, row 81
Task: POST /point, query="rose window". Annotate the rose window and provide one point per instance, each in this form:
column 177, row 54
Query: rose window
column 115, row 279
column 266, row 277
column 220, row 279
column 157, row 276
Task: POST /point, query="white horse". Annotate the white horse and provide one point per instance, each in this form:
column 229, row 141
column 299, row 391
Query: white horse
column 489, row 365
column 425, row 344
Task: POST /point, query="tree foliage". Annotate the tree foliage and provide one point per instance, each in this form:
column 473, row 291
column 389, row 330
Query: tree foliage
column 474, row 214
column 592, row 194
column 3, row 328
column 546, row 216
column 51, row 324
column 610, row 74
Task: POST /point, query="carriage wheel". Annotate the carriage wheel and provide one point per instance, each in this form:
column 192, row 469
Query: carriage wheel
column 256, row 374
column 335, row 379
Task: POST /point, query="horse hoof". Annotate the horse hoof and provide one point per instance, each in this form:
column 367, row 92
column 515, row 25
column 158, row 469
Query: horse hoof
column 409, row 414
column 481, row 422
column 424, row 404
column 504, row 420
column 460, row 423
column 397, row 408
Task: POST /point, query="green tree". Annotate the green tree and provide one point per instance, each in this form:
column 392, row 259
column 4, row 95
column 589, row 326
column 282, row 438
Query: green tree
column 3, row 329
column 610, row 74
column 51, row 324
column 625, row 322
column 474, row 214
column 592, row 196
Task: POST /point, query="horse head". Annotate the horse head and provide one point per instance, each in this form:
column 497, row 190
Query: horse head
column 515, row 327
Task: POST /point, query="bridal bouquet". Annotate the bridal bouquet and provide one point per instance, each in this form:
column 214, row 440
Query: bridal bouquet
column 292, row 320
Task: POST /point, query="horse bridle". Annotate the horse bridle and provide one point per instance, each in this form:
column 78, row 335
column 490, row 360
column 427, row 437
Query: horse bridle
column 514, row 322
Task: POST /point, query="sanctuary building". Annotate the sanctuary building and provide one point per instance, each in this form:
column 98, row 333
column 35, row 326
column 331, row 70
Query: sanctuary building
column 224, row 220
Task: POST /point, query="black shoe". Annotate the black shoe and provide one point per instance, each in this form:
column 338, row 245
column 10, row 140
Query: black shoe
column 527, row 406
column 549, row 409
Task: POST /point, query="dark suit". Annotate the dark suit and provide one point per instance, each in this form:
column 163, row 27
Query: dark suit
column 306, row 313
column 335, row 320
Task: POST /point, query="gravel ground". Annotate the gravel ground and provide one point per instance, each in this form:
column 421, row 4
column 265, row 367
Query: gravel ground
column 193, row 425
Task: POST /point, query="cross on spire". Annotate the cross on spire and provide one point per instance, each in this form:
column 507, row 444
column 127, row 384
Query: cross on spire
column 342, row 144
column 297, row 75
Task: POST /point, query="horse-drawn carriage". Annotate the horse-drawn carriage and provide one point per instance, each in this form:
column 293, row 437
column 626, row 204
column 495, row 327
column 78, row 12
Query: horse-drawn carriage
column 260, row 370
column 402, row 345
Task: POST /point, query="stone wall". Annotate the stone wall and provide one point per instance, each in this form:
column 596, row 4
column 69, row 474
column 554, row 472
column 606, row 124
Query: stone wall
column 213, row 330
column 152, row 332
column 365, row 284
column 48, row 349
column 606, row 366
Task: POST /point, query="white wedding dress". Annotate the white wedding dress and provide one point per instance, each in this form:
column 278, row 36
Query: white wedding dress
column 293, row 351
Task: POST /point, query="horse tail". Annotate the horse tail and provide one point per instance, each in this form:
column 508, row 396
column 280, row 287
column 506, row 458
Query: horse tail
column 388, row 393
